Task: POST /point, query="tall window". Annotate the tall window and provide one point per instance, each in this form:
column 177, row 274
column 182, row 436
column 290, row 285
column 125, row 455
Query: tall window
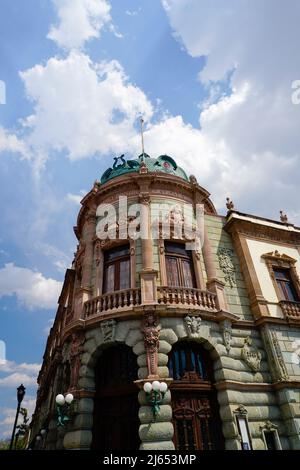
column 116, row 269
column 285, row 284
column 179, row 265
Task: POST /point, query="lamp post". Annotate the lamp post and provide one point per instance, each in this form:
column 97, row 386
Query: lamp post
column 62, row 405
column 20, row 396
column 155, row 393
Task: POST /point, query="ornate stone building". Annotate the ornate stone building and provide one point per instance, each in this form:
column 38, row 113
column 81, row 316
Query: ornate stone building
column 218, row 323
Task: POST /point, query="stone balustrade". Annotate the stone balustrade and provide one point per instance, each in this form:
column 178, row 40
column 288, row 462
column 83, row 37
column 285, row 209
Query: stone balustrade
column 112, row 301
column 290, row 309
column 185, row 296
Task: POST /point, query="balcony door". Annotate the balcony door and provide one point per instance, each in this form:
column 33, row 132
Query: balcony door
column 196, row 420
column 179, row 265
column 116, row 422
column 116, row 269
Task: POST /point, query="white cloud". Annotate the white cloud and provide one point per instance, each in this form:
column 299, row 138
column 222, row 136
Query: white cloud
column 76, row 198
column 11, row 143
column 13, row 380
column 31, row 288
column 81, row 107
column 11, row 366
column 79, row 21
column 254, row 45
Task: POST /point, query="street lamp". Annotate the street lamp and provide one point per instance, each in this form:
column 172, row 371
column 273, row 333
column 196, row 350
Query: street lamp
column 62, row 406
column 20, row 396
column 155, row 393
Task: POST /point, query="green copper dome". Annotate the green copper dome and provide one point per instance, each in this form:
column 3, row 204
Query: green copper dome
column 162, row 164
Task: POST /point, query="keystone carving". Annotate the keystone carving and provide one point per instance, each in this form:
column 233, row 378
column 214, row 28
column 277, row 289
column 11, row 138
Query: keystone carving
column 193, row 325
column 108, row 329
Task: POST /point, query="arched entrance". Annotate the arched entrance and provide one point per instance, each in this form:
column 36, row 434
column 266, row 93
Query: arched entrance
column 116, row 422
column 197, row 424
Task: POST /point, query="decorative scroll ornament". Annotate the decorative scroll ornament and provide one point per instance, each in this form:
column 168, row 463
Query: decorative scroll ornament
column 251, row 355
column 193, row 326
column 276, row 361
column 227, row 332
column 282, row 370
column 227, row 266
column 76, row 350
column 108, row 329
column 150, row 331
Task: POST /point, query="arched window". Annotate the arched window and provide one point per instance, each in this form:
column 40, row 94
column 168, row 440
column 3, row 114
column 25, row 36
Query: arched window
column 116, row 269
column 197, row 424
column 179, row 265
column 116, row 422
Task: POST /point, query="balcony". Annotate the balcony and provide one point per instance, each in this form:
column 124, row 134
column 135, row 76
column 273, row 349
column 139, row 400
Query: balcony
column 290, row 309
column 187, row 297
column 121, row 299
column 124, row 300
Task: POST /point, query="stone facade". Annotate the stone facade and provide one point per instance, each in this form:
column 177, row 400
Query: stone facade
column 255, row 354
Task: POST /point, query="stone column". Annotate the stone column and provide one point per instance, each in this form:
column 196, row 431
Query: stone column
column 84, row 292
column 99, row 260
column 148, row 274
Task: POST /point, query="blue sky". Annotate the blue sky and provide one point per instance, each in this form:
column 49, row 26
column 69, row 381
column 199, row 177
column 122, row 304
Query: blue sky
column 212, row 80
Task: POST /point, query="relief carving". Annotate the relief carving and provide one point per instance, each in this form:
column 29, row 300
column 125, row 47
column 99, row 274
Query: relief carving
column 251, row 355
column 108, row 329
column 78, row 339
column 193, row 326
column 226, row 264
column 150, row 330
column 227, row 333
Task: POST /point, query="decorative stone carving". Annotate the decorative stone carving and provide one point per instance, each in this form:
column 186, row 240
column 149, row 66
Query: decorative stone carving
column 98, row 252
column 227, row 266
column 227, row 332
column 241, row 410
column 78, row 339
column 283, row 370
column 251, row 355
column 193, row 325
column 276, row 361
column 229, row 204
column 108, row 329
column 283, row 217
column 150, row 331
column 193, row 179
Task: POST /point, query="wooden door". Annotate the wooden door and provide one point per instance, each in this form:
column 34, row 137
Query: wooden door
column 196, row 420
column 116, row 422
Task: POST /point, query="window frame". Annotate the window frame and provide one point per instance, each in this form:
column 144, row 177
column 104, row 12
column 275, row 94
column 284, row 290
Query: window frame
column 180, row 258
column 116, row 263
column 269, row 427
column 276, row 261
